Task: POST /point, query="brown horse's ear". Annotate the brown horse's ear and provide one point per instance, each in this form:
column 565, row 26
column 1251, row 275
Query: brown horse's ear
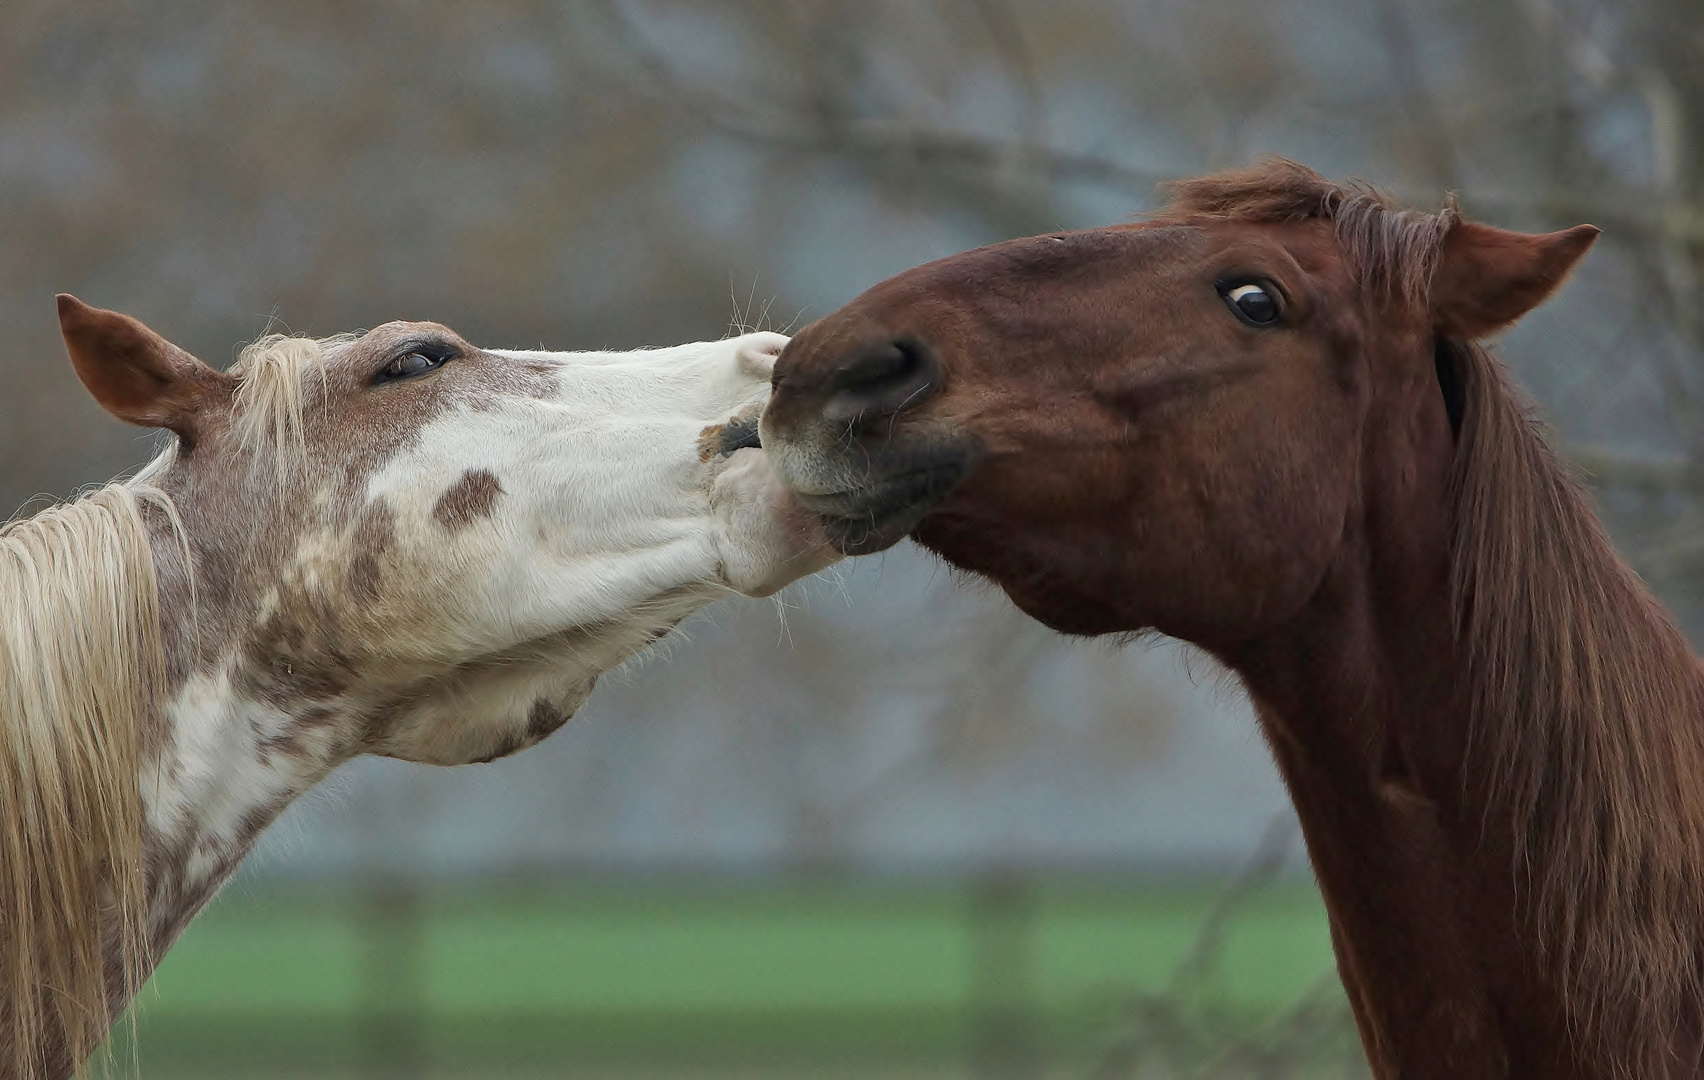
column 1489, row 277
column 136, row 374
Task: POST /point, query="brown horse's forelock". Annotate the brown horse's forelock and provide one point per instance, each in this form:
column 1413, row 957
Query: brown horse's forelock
column 1392, row 250
column 1585, row 697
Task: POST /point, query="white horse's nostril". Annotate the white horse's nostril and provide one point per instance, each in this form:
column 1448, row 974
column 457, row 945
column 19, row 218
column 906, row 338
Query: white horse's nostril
column 757, row 353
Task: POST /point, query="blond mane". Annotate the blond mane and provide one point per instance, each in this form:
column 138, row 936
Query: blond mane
column 1586, row 748
column 81, row 670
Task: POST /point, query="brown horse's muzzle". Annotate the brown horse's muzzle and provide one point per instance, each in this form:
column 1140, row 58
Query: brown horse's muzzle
column 847, row 430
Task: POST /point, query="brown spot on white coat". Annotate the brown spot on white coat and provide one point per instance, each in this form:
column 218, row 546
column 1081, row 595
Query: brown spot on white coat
column 472, row 497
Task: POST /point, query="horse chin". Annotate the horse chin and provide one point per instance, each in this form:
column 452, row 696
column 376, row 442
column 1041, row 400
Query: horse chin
column 1035, row 580
column 892, row 499
column 870, row 534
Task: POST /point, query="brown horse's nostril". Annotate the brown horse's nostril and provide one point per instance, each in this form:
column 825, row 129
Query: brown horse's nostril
column 880, row 380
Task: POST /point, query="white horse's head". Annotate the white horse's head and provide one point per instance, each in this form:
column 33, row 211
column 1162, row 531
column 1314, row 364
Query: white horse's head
column 395, row 543
column 407, row 545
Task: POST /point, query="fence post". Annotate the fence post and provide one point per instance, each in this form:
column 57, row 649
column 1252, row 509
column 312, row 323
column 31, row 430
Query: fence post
column 1004, row 1041
column 392, row 1019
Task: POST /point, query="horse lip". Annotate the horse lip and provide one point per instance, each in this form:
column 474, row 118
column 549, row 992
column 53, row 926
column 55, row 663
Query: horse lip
column 880, row 513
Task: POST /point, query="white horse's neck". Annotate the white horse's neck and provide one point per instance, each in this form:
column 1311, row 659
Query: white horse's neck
column 227, row 767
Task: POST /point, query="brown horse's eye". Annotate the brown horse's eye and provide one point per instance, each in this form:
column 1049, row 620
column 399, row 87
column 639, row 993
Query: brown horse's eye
column 1253, row 304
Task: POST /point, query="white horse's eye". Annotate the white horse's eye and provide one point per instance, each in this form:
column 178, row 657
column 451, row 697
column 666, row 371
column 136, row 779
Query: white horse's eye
column 1253, row 304
column 409, row 365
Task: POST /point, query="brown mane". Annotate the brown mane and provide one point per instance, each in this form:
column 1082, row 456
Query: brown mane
column 1585, row 710
column 1585, row 696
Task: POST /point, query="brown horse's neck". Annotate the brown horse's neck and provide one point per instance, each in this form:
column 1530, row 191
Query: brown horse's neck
column 1491, row 735
column 1365, row 734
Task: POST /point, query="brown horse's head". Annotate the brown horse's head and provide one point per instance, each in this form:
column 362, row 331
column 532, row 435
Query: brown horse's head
column 1172, row 424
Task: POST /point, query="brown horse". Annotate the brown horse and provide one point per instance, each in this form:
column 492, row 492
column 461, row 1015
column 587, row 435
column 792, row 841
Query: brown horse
column 1261, row 422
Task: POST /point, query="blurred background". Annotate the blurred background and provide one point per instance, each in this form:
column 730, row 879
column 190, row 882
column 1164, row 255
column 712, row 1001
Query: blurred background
column 883, row 827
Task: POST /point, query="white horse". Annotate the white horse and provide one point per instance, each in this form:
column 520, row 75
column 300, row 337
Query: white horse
column 394, row 543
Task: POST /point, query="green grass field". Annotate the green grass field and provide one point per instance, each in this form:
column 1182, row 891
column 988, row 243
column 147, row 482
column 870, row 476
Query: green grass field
column 757, row 977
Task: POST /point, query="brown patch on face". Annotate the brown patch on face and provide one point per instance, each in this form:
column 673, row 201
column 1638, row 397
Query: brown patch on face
column 373, row 536
column 543, row 720
column 468, row 499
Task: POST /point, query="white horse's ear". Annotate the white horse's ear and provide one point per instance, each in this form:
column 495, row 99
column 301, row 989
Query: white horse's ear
column 136, row 374
column 1489, row 277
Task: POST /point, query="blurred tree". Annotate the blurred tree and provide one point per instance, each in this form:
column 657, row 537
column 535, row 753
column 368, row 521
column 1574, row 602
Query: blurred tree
column 627, row 171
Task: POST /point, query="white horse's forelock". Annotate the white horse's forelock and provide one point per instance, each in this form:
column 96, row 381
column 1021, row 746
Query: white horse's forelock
column 272, row 380
column 81, row 664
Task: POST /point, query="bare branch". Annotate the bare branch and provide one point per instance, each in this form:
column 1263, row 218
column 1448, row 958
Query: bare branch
column 1610, row 468
column 1415, row 96
column 1009, row 41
